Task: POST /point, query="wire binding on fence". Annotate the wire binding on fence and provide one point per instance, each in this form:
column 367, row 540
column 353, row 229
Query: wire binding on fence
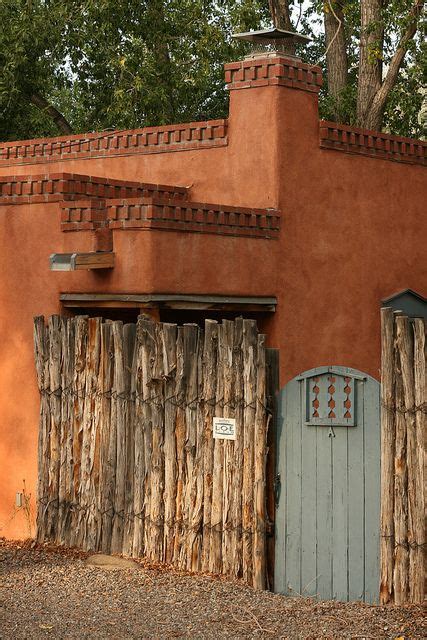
column 157, row 401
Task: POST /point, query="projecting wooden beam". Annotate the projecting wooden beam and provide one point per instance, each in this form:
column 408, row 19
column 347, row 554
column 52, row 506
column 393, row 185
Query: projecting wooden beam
column 170, row 301
column 75, row 261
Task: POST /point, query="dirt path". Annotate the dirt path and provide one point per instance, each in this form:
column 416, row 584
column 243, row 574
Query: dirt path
column 51, row 593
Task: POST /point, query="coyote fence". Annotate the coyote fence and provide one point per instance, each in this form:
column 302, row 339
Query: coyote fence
column 403, row 433
column 127, row 459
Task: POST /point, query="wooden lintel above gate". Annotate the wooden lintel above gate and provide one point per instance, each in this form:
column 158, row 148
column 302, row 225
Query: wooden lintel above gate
column 260, row 304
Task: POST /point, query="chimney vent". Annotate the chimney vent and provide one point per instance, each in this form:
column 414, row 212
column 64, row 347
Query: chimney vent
column 272, row 41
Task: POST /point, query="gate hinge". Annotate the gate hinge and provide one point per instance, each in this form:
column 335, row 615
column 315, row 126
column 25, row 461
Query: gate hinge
column 277, row 488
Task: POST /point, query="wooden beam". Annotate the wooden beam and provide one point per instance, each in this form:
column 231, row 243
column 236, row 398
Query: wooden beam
column 75, row 261
column 170, row 301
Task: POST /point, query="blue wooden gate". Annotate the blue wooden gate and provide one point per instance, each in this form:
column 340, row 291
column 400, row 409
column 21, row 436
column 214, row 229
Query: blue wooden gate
column 328, row 498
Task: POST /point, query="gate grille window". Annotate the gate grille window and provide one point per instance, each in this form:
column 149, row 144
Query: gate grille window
column 330, row 399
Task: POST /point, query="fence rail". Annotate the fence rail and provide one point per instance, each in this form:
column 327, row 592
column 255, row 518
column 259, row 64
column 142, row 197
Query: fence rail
column 403, row 432
column 127, row 459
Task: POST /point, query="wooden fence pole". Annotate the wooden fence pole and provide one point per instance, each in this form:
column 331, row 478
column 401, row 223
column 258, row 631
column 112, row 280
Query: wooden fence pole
column 146, row 334
column 260, row 447
column 55, row 343
column 215, row 552
column 420, row 397
column 249, row 375
column 405, row 342
column 139, row 453
column 87, row 503
column 180, row 444
column 236, row 503
column 401, row 555
column 107, row 437
column 169, row 335
column 118, row 417
column 78, row 391
column 129, row 335
column 210, row 352
column 195, row 452
column 67, row 422
column 157, row 431
column 387, row 455
column 228, row 446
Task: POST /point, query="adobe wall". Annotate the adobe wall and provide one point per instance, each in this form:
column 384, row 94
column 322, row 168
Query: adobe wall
column 351, row 232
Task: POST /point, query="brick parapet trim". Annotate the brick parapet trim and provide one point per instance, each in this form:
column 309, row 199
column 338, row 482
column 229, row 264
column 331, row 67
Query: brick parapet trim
column 273, row 71
column 56, row 187
column 179, row 137
column 171, row 215
column 375, row 144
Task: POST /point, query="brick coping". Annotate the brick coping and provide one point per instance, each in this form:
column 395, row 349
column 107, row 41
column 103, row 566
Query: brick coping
column 167, row 138
column 375, row 144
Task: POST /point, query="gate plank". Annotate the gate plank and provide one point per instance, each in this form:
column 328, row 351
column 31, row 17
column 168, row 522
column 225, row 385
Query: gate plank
column 308, row 497
column 340, row 510
column 372, row 454
column 324, row 501
column 356, row 501
column 292, row 487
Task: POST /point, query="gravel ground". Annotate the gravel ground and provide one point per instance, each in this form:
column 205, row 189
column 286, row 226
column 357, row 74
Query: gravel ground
column 48, row 592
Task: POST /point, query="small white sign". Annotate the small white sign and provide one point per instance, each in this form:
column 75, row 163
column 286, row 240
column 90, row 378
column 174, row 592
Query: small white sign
column 224, row 428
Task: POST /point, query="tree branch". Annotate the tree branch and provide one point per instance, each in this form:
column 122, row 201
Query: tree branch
column 336, row 54
column 60, row 121
column 378, row 103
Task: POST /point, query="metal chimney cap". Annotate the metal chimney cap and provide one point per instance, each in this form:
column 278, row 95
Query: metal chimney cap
column 267, row 36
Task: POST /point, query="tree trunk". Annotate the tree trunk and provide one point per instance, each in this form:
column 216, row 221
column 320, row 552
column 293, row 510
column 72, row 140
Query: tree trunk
column 374, row 114
column 53, row 113
column 279, row 10
column 373, row 92
column 370, row 63
column 336, row 55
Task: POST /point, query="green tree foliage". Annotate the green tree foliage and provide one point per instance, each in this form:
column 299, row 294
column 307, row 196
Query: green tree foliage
column 106, row 64
column 404, row 101
column 116, row 63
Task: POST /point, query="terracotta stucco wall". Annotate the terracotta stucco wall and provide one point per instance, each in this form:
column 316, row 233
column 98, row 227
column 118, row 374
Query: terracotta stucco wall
column 351, row 233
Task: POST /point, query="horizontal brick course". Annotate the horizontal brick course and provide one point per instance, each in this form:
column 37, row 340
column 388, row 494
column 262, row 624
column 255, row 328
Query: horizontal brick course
column 375, row 144
column 56, row 187
column 179, row 137
column 170, row 214
column 274, row 70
